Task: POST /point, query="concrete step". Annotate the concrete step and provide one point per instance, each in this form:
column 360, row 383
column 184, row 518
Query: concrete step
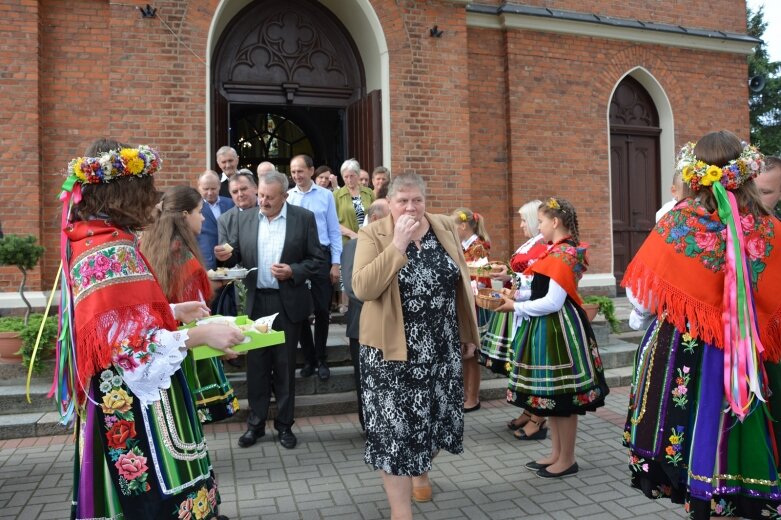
column 616, row 377
column 13, row 398
column 617, row 353
column 36, row 424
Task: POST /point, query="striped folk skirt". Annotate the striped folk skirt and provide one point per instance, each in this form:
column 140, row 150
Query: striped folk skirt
column 682, row 443
column 134, row 462
column 556, row 369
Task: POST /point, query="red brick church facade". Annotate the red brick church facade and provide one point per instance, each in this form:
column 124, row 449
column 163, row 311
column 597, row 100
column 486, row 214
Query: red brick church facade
column 493, row 103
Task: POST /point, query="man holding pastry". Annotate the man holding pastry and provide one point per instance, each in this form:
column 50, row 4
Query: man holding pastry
column 281, row 240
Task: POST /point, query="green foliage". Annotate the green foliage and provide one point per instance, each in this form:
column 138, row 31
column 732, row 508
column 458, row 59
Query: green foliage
column 25, row 253
column 20, row 251
column 28, row 333
column 764, row 106
column 606, row 309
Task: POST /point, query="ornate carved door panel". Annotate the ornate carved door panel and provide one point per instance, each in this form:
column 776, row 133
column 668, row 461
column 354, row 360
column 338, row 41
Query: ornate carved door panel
column 294, row 55
column 635, row 171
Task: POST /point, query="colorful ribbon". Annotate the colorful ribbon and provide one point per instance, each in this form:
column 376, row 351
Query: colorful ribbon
column 743, row 371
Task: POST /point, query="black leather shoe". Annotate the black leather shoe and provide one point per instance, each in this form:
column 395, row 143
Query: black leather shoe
column 323, row 372
column 544, row 473
column 307, row 370
column 287, row 439
column 250, row 437
column 534, row 465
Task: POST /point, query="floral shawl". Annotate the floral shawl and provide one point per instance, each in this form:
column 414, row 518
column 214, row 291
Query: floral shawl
column 565, row 262
column 115, row 294
column 679, row 270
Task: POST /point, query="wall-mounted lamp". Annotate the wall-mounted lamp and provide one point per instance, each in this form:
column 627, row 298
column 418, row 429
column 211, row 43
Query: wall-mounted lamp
column 434, row 32
column 148, row 11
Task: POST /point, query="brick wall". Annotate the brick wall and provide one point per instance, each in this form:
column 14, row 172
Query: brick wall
column 559, row 91
column 725, row 15
column 20, row 161
column 490, row 118
column 429, row 97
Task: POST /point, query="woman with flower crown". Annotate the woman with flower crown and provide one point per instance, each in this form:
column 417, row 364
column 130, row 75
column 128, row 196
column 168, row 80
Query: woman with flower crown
column 556, row 372
column 705, row 393
column 141, row 451
column 171, row 248
column 476, row 243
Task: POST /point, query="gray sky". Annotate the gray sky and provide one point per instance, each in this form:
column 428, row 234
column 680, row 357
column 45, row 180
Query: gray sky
column 773, row 32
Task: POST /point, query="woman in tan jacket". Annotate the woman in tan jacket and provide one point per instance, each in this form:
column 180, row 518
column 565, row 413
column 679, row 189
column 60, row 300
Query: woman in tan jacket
column 417, row 318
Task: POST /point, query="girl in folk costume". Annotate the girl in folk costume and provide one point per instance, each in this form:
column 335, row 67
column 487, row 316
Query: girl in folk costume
column 141, row 451
column 495, row 352
column 172, row 250
column 556, row 369
column 705, row 394
column 475, row 243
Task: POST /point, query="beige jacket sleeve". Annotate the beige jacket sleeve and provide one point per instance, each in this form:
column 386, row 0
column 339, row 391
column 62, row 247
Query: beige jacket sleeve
column 376, row 266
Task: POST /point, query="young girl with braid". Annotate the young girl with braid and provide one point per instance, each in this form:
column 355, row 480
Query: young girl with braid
column 556, row 370
column 475, row 243
column 171, row 248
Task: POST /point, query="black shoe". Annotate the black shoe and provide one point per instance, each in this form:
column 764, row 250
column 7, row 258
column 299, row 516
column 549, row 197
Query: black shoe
column 534, row 465
column 472, row 409
column 544, row 473
column 307, row 370
column 323, row 372
column 250, row 437
column 287, row 439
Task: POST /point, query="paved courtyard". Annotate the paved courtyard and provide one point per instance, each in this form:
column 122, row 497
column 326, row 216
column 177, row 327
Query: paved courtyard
column 325, row 477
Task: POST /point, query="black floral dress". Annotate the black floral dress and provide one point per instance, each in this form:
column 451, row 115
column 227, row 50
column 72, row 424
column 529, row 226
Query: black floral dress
column 414, row 408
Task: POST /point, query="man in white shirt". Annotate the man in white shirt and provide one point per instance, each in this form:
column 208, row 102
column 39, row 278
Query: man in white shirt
column 319, row 201
column 281, row 241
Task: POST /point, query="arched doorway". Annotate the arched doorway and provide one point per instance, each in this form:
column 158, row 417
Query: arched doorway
column 635, row 169
column 287, row 79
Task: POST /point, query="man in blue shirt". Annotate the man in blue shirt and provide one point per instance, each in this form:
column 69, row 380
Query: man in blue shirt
column 319, row 201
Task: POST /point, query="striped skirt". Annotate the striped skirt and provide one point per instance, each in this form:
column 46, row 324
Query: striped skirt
column 556, row 369
column 495, row 353
column 211, row 390
column 134, row 462
column 685, row 447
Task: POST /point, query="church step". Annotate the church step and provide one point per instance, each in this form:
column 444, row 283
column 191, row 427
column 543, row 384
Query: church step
column 36, row 424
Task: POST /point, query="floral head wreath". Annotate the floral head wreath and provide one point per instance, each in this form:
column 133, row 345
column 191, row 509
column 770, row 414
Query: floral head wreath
column 462, row 216
column 697, row 173
column 125, row 162
column 552, row 203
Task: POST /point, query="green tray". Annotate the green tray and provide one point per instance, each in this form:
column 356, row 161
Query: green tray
column 252, row 340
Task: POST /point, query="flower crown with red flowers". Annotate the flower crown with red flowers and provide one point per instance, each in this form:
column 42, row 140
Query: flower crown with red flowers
column 125, row 162
column 697, row 173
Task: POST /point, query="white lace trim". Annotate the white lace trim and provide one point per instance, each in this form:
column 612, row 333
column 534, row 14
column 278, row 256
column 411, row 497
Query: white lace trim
column 148, row 380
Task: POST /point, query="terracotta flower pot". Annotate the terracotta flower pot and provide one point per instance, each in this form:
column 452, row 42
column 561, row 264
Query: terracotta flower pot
column 591, row 310
column 10, row 343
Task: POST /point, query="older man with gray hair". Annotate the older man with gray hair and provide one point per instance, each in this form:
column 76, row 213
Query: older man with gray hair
column 281, row 241
column 228, row 161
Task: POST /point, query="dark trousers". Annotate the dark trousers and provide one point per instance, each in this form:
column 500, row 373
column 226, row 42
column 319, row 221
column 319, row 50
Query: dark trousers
column 272, row 367
column 322, row 290
column 355, row 354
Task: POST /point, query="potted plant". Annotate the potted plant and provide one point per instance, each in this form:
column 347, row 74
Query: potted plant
column 24, row 252
column 603, row 305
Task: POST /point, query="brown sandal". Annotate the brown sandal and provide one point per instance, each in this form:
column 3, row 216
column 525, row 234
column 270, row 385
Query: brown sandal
column 519, row 422
column 539, row 435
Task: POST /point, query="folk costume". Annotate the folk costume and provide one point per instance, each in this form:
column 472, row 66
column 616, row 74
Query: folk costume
column 495, row 352
column 140, row 451
column 556, row 369
column 211, row 390
column 706, row 390
column 476, row 248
